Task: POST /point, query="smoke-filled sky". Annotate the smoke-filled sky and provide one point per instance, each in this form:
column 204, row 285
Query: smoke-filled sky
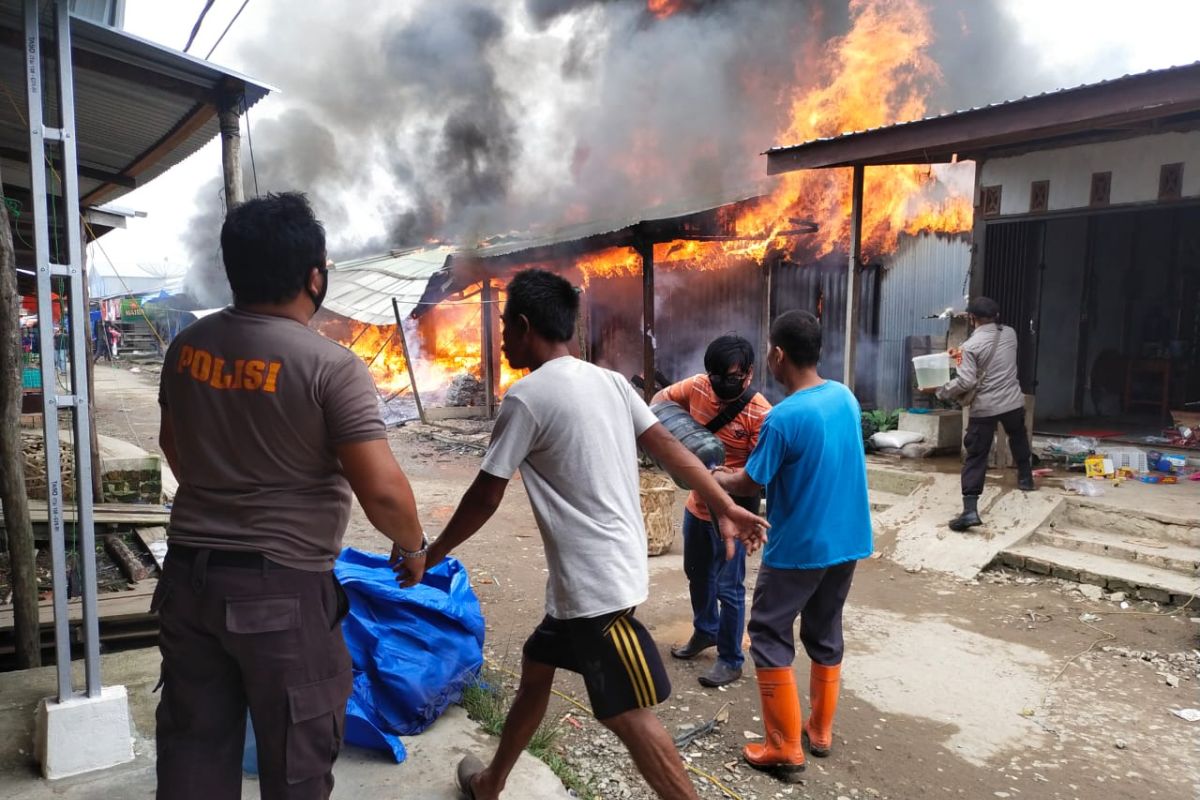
column 465, row 118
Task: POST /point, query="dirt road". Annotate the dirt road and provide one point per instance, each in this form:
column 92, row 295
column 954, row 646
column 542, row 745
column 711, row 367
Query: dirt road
column 1006, row 686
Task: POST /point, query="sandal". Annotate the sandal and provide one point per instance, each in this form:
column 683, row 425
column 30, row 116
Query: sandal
column 468, row 768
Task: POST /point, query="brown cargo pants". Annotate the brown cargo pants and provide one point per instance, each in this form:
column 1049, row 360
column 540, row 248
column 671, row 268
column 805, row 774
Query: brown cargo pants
column 237, row 630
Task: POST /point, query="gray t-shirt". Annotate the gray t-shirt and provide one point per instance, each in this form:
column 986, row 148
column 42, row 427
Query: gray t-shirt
column 257, row 405
column 571, row 428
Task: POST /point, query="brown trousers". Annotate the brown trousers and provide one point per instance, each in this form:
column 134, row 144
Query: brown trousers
column 239, row 631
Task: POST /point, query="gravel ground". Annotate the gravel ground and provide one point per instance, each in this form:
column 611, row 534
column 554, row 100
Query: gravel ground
column 1007, row 686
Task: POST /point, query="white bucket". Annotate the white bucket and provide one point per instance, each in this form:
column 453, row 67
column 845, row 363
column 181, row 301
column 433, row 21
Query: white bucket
column 932, row 370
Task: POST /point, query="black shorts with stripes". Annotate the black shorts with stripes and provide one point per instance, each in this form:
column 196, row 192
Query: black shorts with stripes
column 615, row 655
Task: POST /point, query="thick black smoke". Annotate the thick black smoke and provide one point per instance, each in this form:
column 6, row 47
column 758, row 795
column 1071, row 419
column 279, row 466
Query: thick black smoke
column 461, row 119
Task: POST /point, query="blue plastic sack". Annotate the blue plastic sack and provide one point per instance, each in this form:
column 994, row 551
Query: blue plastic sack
column 414, row 650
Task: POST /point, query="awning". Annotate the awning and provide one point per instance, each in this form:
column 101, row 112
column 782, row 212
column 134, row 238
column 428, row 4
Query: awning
column 140, row 109
column 1164, row 99
column 363, row 289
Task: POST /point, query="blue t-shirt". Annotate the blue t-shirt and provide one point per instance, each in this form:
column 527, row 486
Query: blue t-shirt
column 810, row 458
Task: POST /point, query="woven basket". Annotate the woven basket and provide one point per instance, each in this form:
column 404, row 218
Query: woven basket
column 658, row 511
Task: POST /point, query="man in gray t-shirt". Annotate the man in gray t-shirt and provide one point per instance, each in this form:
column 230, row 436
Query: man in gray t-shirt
column 573, row 429
column 269, row 428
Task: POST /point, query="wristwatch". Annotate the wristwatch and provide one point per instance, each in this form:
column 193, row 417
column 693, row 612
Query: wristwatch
column 406, row 554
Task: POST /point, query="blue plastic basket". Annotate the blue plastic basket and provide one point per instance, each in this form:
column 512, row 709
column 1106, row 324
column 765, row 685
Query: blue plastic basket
column 31, row 378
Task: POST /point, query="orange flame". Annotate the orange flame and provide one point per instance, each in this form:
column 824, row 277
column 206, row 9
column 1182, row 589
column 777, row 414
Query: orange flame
column 877, row 74
column 446, row 343
column 615, row 262
column 665, row 8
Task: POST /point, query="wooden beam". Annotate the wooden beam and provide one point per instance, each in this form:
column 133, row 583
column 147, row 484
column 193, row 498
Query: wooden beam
column 646, row 251
column 104, row 513
column 231, row 151
column 853, row 273
column 488, row 342
column 94, row 433
column 412, row 375
column 14, row 499
column 764, row 331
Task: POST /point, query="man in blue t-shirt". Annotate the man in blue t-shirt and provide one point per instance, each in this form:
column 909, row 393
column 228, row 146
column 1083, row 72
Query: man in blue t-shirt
column 810, row 458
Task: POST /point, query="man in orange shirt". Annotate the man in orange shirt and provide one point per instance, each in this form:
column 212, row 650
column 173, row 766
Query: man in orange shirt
column 721, row 400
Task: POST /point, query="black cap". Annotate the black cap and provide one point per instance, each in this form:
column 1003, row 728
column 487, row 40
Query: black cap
column 984, row 307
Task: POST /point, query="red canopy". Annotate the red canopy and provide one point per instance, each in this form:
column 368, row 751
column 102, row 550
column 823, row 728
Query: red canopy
column 29, row 306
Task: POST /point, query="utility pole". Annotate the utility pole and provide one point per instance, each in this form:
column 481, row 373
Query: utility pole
column 230, row 119
column 18, row 527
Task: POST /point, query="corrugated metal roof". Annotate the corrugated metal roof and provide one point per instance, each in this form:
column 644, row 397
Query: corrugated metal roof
column 603, row 230
column 140, row 107
column 1155, row 94
column 1001, row 104
column 363, row 289
column 681, row 220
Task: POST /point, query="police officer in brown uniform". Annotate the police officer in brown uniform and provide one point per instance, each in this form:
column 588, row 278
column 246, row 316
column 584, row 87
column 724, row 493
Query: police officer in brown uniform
column 269, row 427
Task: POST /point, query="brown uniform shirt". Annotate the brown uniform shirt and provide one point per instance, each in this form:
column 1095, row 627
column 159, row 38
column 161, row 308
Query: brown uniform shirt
column 257, row 405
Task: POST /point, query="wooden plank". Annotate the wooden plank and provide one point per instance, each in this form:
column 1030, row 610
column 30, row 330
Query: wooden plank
column 107, row 513
column 112, row 606
column 155, row 540
column 456, row 412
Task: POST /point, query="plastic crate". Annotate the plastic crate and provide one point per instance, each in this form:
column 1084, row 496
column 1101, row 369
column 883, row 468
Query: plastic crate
column 31, row 378
column 1131, row 457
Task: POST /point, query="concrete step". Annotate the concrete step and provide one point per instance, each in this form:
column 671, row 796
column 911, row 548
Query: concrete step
column 1163, row 554
column 1158, row 523
column 1115, row 574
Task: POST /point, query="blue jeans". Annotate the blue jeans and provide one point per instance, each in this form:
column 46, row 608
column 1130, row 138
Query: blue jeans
column 717, row 587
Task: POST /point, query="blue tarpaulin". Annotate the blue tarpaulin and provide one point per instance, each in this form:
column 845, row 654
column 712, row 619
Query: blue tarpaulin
column 414, row 650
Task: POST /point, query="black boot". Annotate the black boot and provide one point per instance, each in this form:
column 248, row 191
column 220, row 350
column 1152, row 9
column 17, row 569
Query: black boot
column 694, row 646
column 969, row 518
column 1025, row 478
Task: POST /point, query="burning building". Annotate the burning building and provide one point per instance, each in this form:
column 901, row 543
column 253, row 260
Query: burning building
column 1086, row 234
column 659, row 284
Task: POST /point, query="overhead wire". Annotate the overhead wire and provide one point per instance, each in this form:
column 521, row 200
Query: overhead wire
column 250, row 144
column 199, row 21
column 227, row 27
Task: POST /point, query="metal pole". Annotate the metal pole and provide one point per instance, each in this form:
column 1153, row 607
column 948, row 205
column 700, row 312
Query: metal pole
column 41, row 238
column 646, row 251
column 79, row 353
column 852, row 279
column 412, row 376
column 489, row 346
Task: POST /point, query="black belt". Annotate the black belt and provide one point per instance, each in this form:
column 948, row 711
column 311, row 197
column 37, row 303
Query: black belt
column 247, row 559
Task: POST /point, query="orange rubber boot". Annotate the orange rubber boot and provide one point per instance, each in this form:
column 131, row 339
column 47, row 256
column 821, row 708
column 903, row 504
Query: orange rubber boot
column 782, row 752
column 823, row 685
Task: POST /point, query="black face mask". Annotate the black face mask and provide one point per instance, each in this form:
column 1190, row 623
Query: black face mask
column 727, row 387
column 319, row 297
